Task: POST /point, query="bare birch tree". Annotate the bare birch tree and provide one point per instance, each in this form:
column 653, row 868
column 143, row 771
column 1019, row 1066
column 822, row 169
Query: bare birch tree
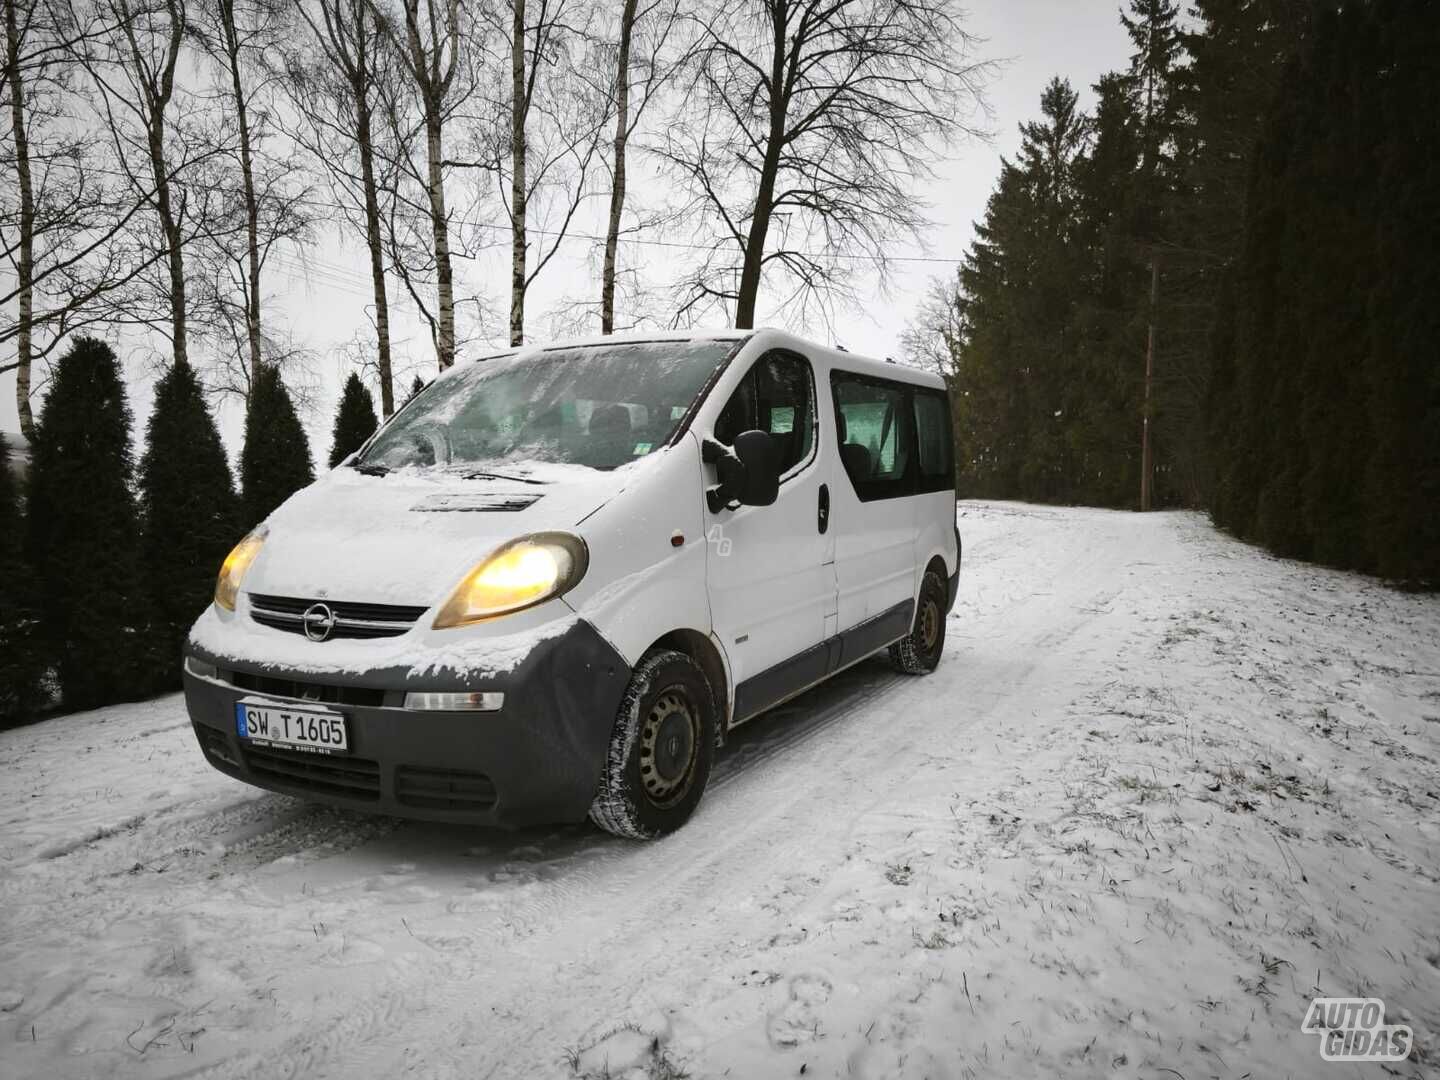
column 429, row 45
column 335, row 81
column 161, row 136
column 242, row 37
column 816, row 119
column 647, row 28
column 262, row 187
column 64, row 222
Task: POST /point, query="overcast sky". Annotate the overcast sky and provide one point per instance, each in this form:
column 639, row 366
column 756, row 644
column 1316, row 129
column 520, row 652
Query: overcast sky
column 322, row 294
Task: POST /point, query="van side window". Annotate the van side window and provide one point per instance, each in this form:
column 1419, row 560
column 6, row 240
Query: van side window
column 933, row 441
column 875, row 424
column 777, row 395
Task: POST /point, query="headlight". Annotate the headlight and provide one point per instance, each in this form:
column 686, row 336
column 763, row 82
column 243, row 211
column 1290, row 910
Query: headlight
column 521, row 574
column 227, row 585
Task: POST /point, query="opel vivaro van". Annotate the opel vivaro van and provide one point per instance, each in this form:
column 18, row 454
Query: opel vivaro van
column 557, row 578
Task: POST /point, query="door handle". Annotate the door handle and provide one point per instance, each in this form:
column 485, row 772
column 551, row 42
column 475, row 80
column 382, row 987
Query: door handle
column 823, row 519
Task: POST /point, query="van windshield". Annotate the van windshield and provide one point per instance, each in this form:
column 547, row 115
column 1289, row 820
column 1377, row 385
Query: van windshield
column 599, row 406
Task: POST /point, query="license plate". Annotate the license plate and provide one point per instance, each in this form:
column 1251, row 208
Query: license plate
column 268, row 723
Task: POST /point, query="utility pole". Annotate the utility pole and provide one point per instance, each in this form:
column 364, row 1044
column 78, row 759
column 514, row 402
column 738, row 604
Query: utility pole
column 1146, row 466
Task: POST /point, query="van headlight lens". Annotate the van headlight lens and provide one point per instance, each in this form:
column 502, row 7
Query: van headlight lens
column 521, row 574
column 232, row 570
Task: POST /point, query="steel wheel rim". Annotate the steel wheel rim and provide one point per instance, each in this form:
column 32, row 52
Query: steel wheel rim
column 669, row 745
column 929, row 625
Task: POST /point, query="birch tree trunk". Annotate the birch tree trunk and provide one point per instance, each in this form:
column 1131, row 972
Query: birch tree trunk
column 770, row 166
column 444, row 283
column 26, row 265
column 170, row 227
column 517, row 175
column 247, row 170
column 342, row 112
column 157, row 85
column 372, row 241
column 617, row 188
column 433, row 68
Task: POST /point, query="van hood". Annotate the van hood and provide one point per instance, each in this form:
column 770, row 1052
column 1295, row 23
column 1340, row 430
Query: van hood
column 409, row 536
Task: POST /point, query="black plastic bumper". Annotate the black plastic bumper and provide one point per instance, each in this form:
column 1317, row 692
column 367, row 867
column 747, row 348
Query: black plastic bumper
column 954, row 582
column 536, row 760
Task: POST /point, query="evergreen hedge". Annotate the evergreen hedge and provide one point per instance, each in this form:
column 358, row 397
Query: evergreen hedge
column 275, row 461
column 188, row 509
column 355, row 420
column 83, row 535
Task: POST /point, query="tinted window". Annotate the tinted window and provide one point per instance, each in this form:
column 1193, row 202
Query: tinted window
column 874, row 419
column 934, row 444
column 777, row 395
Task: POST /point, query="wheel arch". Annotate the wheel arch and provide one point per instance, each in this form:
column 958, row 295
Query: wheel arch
column 700, row 648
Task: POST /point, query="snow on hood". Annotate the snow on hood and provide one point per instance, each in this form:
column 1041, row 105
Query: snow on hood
column 408, row 537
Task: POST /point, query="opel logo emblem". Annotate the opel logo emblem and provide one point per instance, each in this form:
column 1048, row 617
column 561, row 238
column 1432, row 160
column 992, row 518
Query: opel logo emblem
column 319, row 622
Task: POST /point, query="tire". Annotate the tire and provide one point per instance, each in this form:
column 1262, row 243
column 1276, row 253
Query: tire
column 919, row 651
column 660, row 749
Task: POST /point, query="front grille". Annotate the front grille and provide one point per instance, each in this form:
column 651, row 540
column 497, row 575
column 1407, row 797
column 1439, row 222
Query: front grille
column 443, row 789
column 319, row 693
column 348, row 777
column 352, row 620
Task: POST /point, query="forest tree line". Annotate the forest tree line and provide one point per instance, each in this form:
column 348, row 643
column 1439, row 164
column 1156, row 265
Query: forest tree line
column 1258, row 190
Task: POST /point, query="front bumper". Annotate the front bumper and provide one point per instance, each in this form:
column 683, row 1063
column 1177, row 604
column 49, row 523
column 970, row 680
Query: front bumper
column 537, row 760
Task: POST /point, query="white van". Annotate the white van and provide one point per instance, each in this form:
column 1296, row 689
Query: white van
column 555, row 580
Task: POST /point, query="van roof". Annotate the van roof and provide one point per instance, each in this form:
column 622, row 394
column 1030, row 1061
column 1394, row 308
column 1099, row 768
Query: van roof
column 848, row 361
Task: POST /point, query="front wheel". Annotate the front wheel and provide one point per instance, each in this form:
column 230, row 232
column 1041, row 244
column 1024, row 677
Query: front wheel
column 660, row 749
column 918, row 652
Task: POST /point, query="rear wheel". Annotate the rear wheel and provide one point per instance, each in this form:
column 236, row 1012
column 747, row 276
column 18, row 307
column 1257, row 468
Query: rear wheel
column 660, row 749
column 919, row 651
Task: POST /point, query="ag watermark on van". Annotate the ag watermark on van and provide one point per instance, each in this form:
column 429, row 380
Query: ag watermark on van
column 717, row 539
column 1354, row 1029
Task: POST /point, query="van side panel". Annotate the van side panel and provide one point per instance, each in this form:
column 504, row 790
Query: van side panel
column 935, row 534
column 639, row 586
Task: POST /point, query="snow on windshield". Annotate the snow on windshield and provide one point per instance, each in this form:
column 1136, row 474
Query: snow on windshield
column 598, row 406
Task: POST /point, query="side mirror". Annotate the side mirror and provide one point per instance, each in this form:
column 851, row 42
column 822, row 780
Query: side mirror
column 749, row 471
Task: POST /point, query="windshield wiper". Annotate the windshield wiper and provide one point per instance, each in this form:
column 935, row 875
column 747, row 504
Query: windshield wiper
column 486, row 474
column 369, row 470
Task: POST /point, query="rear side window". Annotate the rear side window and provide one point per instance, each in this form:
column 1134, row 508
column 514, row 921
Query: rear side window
column 777, row 395
column 933, row 441
column 875, row 420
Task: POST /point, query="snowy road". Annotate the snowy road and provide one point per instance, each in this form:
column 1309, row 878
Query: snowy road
column 1161, row 789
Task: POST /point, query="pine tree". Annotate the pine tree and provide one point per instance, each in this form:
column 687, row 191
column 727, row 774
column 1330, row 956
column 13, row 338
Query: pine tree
column 83, row 534
column 355, row 421
column 416, row 386
column 1015, row 367
column 275, row 462
column 1331, row 445
column 188, row 510
column 21, row 664
column 1400, row 366
column 1109, row 315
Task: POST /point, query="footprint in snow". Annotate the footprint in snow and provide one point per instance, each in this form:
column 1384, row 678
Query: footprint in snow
column 796, row 1021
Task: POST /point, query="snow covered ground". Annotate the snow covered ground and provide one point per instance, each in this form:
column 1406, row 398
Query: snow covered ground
column 1162, row 790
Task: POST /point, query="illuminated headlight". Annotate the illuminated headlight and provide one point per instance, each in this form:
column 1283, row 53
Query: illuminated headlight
column 232, row 570
column 521, row 574
column 488, row 701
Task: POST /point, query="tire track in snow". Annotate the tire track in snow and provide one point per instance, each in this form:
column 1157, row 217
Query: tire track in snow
column 821, row 756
